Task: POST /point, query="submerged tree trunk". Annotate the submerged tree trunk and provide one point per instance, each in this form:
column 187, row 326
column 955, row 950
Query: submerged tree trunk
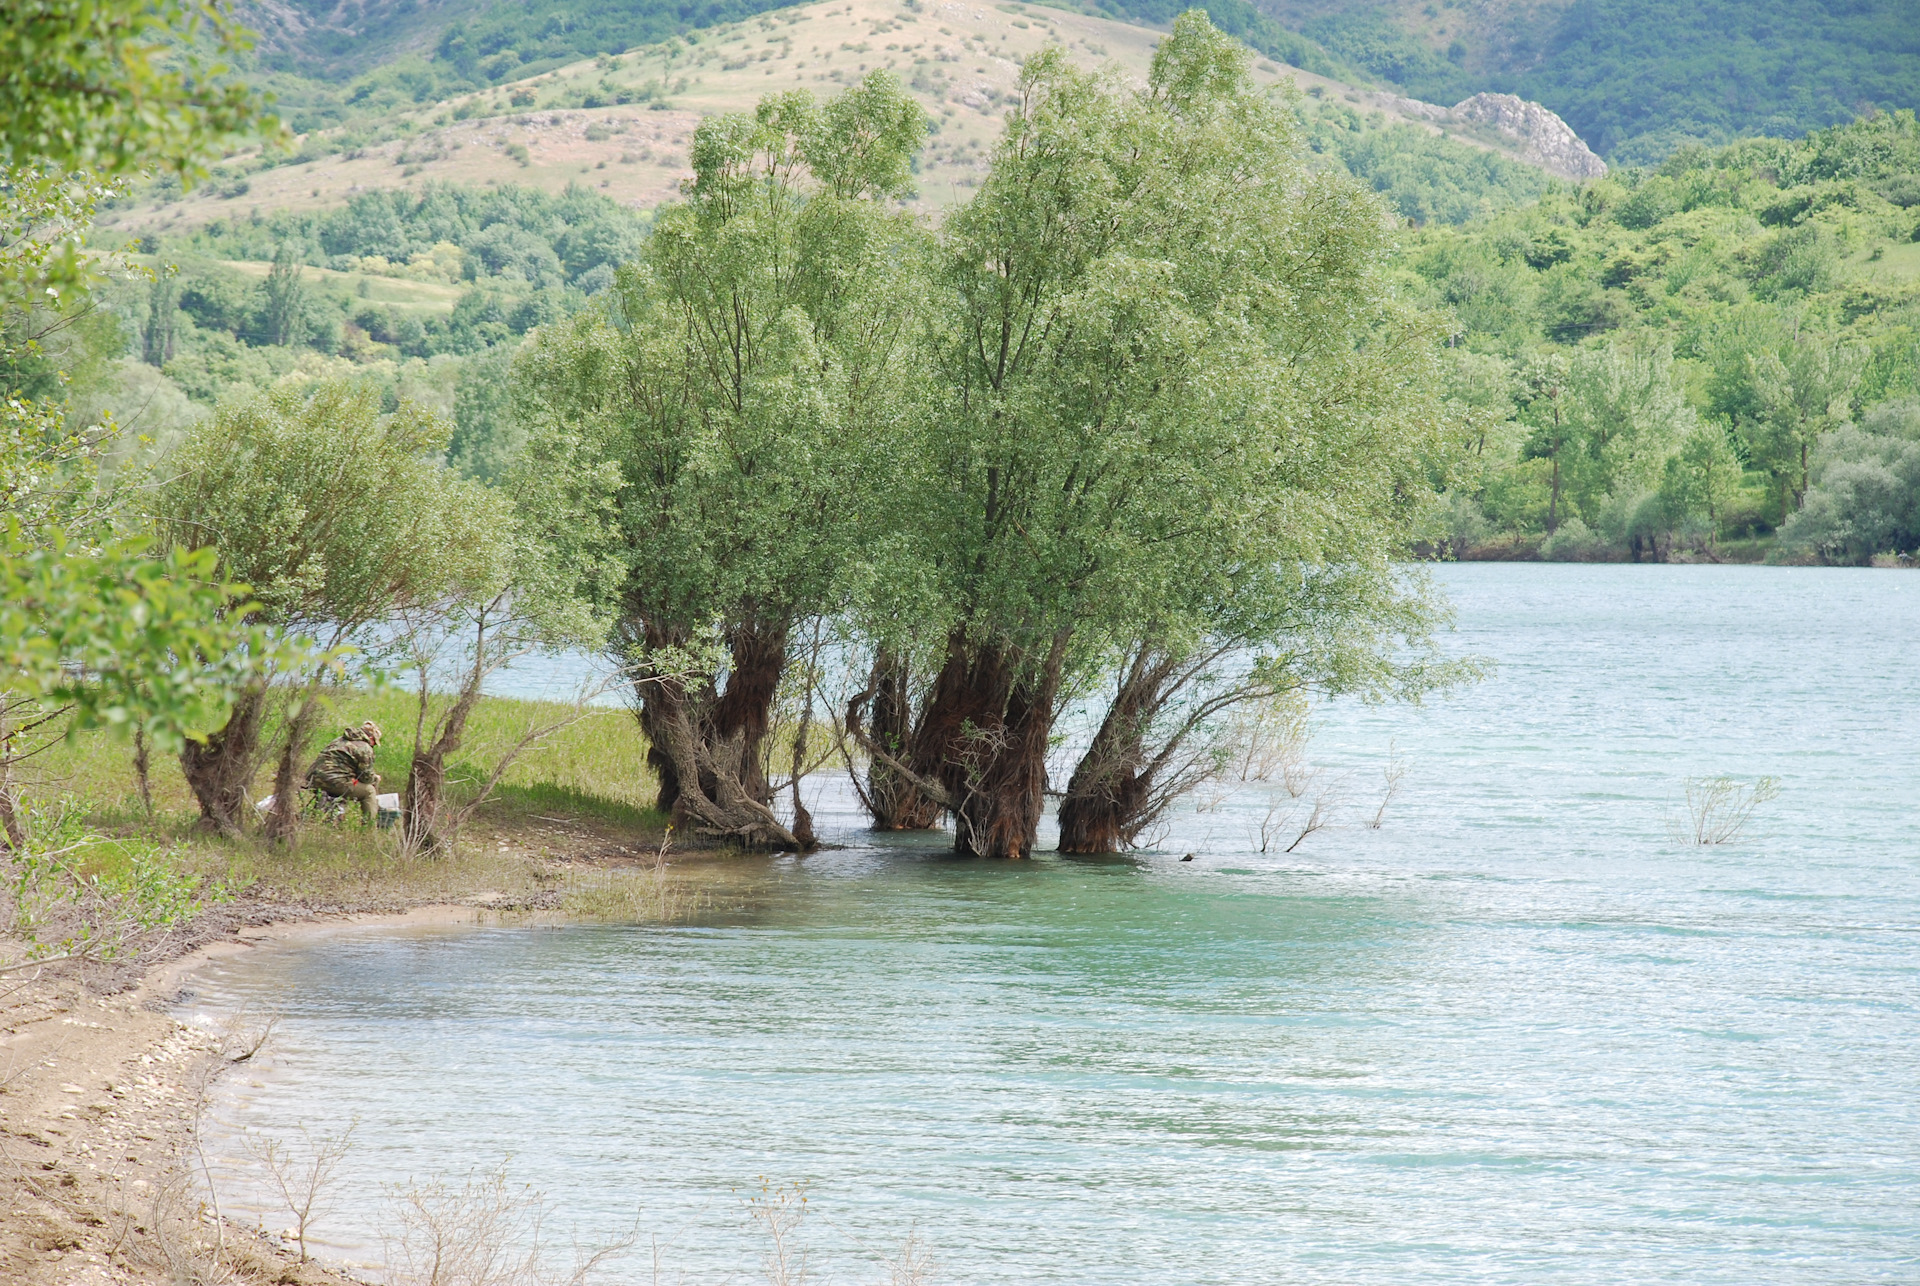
column 979, row 749
column 1106, row 805
column 714, row 797
column 758, row 655
column 999, row 815
column 1151, row 746
column 993, row 716
column 220, row 769
column 894, row 797
column 709, row 747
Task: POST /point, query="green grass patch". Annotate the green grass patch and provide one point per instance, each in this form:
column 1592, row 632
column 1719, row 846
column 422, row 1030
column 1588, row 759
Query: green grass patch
column 594, row 769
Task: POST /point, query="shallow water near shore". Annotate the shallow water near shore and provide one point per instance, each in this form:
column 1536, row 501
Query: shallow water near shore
column 1518, row 1033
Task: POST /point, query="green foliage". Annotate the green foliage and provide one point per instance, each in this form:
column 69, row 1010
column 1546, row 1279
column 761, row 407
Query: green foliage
column 77, row 892
column 526, row 257
column 121, row 639
column 1161, row 385
column 334, row 513
column 1782, row 280
column 1423, row 177
column 119, row 85
column 485, row 442
column 1641, row 79
column 729, row 406
column 1236, row 18
column 1638, row 78
column 1865, row 498
column 504, row 231
column 45, row 268
column 1367, row 39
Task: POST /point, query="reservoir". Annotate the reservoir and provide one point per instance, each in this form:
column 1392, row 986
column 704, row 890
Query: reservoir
column 1521, row 1031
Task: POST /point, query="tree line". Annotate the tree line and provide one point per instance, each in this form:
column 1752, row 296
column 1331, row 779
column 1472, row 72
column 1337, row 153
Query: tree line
column 1725, row 349
column 1145, row 425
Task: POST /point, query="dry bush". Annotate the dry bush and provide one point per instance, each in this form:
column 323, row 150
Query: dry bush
column 1394, row 772
column 1268, row 742
column 303, row 1175
column 1283, row 818
column 779, row 1213
column 913, row 1266
column 485, row 1232
column 1720, row 808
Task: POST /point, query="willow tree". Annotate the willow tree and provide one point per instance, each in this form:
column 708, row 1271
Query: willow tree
column 704, row 451
column 1182, row 418
column 336, row 516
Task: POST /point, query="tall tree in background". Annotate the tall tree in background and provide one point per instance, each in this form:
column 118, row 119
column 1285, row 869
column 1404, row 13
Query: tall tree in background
column 1625, row 413
column 705, row 452
column 1801, row 394
column 285, row 316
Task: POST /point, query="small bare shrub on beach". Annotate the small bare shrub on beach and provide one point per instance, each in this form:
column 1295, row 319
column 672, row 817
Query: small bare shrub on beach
column 303, row 1175
column 485, row 1232
column 1720, row 808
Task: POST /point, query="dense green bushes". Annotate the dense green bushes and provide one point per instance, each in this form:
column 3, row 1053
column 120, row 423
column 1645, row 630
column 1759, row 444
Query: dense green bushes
column 1422, row 176
column 1775, row 286
column 504, row 231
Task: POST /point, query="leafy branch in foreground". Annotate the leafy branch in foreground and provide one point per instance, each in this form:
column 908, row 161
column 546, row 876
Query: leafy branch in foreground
column 118, row 85
column 114, row 638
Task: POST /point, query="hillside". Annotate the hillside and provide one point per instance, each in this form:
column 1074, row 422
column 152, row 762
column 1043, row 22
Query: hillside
column 1724, row 350
column 1636, row 78
column 621, row 125
column 326, row 59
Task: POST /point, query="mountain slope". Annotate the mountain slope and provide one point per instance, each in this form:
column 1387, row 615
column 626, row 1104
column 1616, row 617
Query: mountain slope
column 1637, row 78
column 621, row 125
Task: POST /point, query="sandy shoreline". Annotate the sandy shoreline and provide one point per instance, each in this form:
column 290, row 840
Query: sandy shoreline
column 101, row 1096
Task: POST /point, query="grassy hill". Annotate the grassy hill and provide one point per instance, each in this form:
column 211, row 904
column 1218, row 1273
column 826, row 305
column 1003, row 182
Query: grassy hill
column 1635, row 78
column 620, row 125
column 328, row 61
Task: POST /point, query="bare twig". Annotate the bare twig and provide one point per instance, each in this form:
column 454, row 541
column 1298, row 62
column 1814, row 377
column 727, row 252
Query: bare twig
column 1720, row 808
column 1393, row 772
column 303, row 1177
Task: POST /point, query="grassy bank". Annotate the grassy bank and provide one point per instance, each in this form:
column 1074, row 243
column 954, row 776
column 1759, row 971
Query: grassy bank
column 568, row 824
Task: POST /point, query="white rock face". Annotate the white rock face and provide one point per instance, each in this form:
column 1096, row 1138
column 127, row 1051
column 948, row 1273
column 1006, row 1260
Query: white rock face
column 1545, row 140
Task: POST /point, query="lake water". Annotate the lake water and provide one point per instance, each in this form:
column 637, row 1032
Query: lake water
column 1518, row 1033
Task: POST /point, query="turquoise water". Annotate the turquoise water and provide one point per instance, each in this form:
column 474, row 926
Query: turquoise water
column 1518, row 1033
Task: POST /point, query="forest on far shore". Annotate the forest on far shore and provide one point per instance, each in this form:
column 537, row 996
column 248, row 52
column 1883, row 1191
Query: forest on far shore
column 1721, row 350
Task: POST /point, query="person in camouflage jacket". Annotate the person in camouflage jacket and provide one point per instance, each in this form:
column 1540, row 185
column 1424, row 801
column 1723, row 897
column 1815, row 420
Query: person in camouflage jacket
column 344, row 769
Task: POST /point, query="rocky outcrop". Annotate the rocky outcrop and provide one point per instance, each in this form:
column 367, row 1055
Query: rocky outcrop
column 1540, row 137
column 1545, row 140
